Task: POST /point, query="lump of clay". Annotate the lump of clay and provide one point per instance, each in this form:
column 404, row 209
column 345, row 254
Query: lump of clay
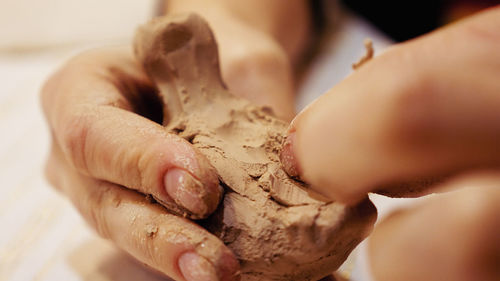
column 276, row 227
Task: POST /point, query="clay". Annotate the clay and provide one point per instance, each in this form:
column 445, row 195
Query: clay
column 367, row 56
column 278, row 229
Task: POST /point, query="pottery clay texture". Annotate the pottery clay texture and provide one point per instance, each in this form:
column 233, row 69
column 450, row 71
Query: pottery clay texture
column 276, row 227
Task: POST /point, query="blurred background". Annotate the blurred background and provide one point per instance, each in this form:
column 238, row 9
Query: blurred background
column 26, row 25
column 42, row 237
column 403, row 20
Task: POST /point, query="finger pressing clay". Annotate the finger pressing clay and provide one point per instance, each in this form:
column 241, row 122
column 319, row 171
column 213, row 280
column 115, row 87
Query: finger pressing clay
column 277, row 228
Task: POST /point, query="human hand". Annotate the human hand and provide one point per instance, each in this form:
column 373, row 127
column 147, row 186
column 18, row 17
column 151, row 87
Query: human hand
column 422, row 112
column 101, row 110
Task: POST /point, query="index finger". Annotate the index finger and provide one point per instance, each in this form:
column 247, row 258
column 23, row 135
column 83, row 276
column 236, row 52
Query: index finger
column 91, row 109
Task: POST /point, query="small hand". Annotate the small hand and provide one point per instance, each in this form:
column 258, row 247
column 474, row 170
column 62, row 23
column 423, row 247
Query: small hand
column 421, row 113
column 103, row 112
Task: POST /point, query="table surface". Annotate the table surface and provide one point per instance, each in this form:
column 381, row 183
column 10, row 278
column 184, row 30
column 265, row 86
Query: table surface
column 42, row 236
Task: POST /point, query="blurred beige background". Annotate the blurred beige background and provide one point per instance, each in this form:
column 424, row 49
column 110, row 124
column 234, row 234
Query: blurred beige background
column 47, row 23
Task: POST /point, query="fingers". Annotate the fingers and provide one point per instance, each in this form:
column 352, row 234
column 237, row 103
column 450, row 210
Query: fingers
column 168, row 243
column 453, row 236
column 423, row 110
column 90, row 121
column 129, row 150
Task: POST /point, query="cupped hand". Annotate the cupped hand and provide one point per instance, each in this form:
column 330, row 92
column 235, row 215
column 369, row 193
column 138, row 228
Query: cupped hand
column 101, row 109
column 107, row 144
column 407, row 121
column 108, row 147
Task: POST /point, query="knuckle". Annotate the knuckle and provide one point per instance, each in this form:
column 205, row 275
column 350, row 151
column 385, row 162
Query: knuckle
column 52, row 84
column 71, row 69
column 74, row 142
column 94, row 207
column 83, row 58
column 142, row 162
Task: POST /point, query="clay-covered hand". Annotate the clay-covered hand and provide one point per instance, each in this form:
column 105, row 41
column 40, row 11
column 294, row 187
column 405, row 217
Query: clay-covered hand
column 101, row 109
column 416, row 115
column 103, row 113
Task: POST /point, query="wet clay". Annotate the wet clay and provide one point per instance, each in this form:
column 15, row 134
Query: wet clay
column 277, row 228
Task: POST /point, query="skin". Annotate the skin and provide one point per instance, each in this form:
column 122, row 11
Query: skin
column 413, row 112
column 419, row 115
column 106, row 145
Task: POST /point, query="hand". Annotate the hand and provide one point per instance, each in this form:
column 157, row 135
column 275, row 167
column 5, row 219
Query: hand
column 421, row 113
column 102, row 111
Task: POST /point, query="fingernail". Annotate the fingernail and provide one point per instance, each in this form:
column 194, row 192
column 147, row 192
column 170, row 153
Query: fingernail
column 196, row 268
column 287, row 157
column 185, row 190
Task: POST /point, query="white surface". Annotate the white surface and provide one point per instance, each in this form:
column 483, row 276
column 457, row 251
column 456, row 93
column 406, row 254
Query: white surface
column 27, row 24
column 42, row 237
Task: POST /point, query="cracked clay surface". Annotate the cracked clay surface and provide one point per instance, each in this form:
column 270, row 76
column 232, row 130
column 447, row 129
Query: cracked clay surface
column 276, row 227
